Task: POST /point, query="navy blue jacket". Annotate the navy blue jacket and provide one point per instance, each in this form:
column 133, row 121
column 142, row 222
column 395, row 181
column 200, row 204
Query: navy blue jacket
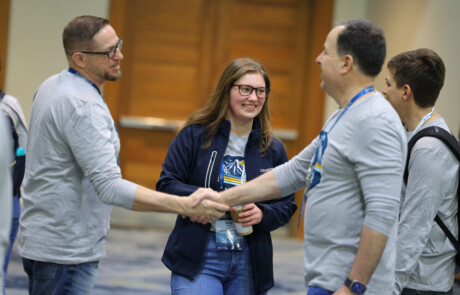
column 187, row 167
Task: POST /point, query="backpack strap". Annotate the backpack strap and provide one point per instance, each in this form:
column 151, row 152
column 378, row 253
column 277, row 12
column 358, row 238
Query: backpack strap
column 14, row 133
column 448, row 233
column 19, row 161
column 454, row 146
column 437, row 132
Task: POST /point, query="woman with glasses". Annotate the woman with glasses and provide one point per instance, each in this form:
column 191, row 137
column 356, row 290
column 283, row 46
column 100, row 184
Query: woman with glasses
column 225, row 143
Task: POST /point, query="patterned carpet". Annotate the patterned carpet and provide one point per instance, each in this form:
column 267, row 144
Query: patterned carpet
column 133, row 266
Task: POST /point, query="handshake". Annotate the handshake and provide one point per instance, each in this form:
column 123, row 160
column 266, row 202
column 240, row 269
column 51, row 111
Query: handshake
column 206, row 206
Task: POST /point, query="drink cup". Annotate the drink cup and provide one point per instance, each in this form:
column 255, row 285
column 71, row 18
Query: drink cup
column 240, row 229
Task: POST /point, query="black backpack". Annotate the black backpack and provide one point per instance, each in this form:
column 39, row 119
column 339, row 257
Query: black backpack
column 454, row 146
column 19, row 163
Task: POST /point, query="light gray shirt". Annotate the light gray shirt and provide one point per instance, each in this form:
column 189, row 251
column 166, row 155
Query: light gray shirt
column 72, row 177
column 235, row 147
column 6, row 190
column 11, row 105
column 425, row 256
column 361, row 183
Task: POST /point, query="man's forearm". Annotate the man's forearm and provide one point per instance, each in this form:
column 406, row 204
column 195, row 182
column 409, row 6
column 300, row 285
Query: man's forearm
column 154, row 201
column 371, row 247
column 262, row 188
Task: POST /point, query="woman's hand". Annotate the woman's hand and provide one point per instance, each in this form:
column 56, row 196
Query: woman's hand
column 251, row 215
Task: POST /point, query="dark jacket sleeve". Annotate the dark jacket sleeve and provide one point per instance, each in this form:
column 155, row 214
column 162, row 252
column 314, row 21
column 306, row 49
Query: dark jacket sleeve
column 278, row 212
column 177, row 166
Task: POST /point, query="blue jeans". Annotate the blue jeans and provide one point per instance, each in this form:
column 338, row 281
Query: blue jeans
column 224, row 272
column 313, row 290
column 47, row 278
column 14, row 232
column 407, row 291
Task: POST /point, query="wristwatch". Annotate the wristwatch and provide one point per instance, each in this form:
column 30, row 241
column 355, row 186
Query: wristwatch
column 355, row 286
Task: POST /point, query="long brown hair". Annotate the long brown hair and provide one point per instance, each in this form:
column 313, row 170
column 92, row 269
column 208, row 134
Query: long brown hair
column 214, row 111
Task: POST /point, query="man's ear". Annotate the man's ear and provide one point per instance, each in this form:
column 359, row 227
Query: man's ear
column 78, row 59
column 407, row 92
column 347, row 64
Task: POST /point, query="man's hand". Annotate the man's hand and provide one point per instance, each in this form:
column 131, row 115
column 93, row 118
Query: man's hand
column 252, row 215
column 204, row 203
column 344, row 290
column 205, row 194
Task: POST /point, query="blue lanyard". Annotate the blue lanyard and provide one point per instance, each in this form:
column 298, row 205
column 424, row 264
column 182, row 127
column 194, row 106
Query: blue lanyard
column 221, row 175
column 314, row 174
column 424, row 119
column 355, row 98
column 73, row 71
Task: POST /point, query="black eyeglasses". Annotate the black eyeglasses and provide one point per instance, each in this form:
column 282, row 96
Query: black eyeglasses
column 246, row 90
column 111, row 52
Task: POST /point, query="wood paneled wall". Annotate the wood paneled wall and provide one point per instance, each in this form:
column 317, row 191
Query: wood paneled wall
column 175, row 50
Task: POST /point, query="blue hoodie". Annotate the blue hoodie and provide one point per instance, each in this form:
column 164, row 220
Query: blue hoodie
column 187, row 167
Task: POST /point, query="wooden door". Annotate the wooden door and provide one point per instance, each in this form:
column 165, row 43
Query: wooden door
column 175, row 50
column 4, row 18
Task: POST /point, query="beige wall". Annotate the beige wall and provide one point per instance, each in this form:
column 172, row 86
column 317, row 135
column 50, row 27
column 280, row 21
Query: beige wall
column 35, row 49
column 411, row 24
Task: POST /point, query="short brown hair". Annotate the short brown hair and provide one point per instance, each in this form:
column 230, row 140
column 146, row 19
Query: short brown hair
column 423, row 70
column 78, row 34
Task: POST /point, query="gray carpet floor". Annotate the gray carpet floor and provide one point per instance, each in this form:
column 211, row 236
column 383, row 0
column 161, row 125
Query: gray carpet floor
column 133, row 266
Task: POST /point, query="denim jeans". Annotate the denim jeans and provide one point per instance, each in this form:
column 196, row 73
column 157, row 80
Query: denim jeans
column 14, row 232
column 224, row 272
column 313, row 290
column 47, row 278
column 407, row 291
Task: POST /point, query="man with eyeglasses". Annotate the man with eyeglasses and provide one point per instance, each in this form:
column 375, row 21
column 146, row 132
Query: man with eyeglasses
column 72, row 175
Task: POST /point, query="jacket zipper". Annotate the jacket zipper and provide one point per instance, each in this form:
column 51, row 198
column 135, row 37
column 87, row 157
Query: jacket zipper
column 207, row 180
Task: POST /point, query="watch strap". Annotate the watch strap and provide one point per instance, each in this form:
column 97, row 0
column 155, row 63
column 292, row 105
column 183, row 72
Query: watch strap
column 355, row 286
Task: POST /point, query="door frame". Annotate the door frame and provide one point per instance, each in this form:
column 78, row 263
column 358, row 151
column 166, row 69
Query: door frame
column 4, row 25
